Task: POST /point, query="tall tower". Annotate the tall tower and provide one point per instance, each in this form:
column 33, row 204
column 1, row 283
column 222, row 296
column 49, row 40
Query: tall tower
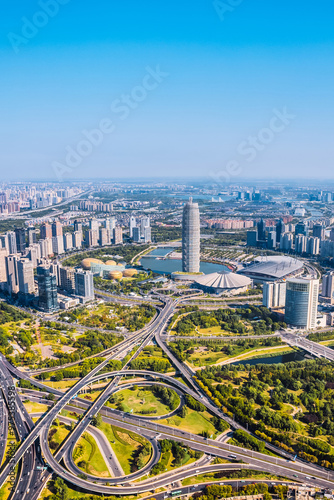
column 191, row 238
column 301, row 305
column 47, row 290
column 132, row 225
column 328, row 286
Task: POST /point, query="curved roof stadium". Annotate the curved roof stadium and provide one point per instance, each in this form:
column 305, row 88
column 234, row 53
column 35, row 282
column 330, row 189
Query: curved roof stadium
column 223, row 281
column 273, row 267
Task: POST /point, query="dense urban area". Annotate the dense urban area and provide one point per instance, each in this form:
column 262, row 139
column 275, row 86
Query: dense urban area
column 163, row 339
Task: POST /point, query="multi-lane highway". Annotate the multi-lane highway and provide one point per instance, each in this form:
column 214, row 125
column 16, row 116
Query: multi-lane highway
column 151, row 428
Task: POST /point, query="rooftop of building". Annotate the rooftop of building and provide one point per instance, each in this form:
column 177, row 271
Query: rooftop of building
column 273, row 266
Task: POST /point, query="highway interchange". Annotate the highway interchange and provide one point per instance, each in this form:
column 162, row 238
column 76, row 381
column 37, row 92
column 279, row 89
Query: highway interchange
column 34, row 452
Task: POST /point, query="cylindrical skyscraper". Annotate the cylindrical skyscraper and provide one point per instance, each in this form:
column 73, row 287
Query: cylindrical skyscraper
column 190, row 238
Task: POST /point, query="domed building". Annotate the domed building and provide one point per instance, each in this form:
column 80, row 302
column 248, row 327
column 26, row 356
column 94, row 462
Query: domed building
column 111, row 263
column 224, row 283
column 86, row 264
column 116, row 275
column 130, row 273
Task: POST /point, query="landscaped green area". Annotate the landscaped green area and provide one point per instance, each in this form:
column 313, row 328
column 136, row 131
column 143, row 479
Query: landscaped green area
column 200, row 353
column 145, row 400
column 9, row 314
column 166, row 233
column 232, row 474
column 126, row 253
column 321, row 336
column 111, row 316
column 251, row 320
column 174, row 454
column 65, row 344
column 152, row 358
column 88, row 458
column 195, row 422
column 133, row 451
column 126, row 285
column 58, row 433
column 216, row 491
column 16, row 327
column 33, row 407
column 290, row 405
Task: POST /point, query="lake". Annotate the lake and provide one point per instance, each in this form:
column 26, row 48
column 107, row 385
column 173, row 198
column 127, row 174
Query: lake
column 168, row 266
column 280, row 358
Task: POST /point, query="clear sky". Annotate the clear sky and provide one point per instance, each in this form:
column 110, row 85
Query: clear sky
column 227, row 73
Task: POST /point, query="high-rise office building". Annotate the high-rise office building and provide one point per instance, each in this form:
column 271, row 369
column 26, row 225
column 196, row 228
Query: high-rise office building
column 58, row 244
column 31, row 236
column 4, row 242
column 84, row 284
column 147, row 236
column 331, row 236
column 280, row 229
column 313, row 245
column 301, row 304
column 132, row 225
column 328, row 287
column 319, row 231
column 104, row 234
column 12, row 242
column 92, row 238
column 252, row 238
column 286, row 242
column 46, row 247
column 34, row 254
column 20, row 234
column 94, row 225
column 274, row 294
column 144, row 222
column 57, row 229
column 271, row 243
column 261, row 230
column 67, row 279
column 68, row 242
column 112, row 223
column 136, row 234
column 118, row 235
column 191, row 238
column 25, row 271
column 77, row 239
column 46, row 231
column 12, row 276
column 301, row 228
column 77, row 226
column 3, row 271
column 47, row 290
column 301, row 244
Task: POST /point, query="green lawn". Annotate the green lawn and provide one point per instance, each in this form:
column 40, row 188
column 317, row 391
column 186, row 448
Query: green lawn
column 194, row 422
column 141, row 399
column 123, row 443
column 33, row 407
column 58, row 437
column 62, row 384
column 88, row 457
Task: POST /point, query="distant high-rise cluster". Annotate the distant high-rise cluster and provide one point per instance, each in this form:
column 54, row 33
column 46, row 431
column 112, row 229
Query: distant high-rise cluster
column 140, row 231
column 16, row 197
column 304, row 237
column 191, row 238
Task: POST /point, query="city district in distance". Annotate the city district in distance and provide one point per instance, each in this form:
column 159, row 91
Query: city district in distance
column 161, row 339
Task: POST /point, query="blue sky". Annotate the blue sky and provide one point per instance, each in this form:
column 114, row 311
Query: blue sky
column 225, row 79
